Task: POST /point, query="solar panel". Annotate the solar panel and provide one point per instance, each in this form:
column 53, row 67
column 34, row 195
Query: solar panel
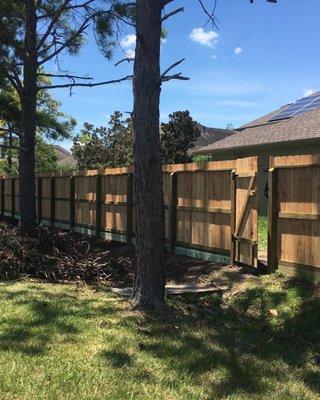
column 301, row 106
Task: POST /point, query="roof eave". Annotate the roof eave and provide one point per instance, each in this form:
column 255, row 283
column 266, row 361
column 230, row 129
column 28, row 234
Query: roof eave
column 262, row 146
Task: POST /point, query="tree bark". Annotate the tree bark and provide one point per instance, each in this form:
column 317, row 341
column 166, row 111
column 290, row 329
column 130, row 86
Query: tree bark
column 28, row 99
column 149, row 282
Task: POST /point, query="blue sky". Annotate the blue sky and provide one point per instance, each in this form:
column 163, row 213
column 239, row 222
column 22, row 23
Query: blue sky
column 262, row 56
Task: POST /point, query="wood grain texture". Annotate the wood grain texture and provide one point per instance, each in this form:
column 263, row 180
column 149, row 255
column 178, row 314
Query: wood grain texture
column 298, row 222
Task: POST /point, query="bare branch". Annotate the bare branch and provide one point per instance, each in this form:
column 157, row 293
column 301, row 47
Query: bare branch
column 178, row 76
column 128, row 59
column 66, row 76
column 166, row 2
column 76, row 84
column 170, row 68
column 211, row 15
column 170, row 14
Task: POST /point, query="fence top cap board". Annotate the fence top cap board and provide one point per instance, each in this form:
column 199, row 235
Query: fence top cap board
column 294, row 160
column 248, row 162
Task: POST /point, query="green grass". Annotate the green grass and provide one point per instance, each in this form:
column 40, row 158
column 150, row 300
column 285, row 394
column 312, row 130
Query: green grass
column 65, row 342
column 263, row 233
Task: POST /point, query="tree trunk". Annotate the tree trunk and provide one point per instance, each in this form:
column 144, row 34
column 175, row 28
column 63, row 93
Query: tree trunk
column 9, row 153
column 27, row 141
column 149, row 282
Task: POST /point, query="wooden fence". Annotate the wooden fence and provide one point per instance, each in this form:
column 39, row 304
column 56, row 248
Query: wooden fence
column 294, row 214
column 197, row 199
column 210, row 208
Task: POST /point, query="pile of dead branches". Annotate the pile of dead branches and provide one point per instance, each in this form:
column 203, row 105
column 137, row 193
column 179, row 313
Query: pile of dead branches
column 60, row 256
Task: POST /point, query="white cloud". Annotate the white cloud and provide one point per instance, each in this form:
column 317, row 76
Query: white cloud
column 238, row 50
column 214, row 56
column 208, row 39
column 128, row 41
column 309, row 92
column 130, row 54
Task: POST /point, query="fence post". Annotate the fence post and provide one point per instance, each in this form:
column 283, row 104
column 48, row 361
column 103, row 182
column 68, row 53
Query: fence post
column 233, row 215
column 98, row 205
column 13, row 197
column 52, row 200
column 39, row 200
column 72, row 202
column 129, row 207
column 2, row 197
column 273, row 214
column 173, row 211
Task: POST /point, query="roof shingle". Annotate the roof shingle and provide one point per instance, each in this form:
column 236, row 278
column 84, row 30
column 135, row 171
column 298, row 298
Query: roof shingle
column 260, row 132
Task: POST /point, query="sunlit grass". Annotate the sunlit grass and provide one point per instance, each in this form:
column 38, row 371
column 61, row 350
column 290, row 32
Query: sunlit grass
column 65, row 342
column 263, row 233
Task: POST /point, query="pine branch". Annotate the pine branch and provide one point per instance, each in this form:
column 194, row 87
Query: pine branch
column 7, row 146
column 13, row 79
column 82, row 28
column 4, row 31
column 4, row 131
column 68, row 8
column 53, row 21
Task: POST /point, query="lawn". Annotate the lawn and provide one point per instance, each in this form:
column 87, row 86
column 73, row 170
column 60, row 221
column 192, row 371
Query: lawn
column 263, row 233
column 72, row 342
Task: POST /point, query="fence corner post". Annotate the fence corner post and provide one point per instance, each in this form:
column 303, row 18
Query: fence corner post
column 273, row 214
column 72, row 202
column 129, row 207
column 173, row 211
column 233, row 215
column 98, row 205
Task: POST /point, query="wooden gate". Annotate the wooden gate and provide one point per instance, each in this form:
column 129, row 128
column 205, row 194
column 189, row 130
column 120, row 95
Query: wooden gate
column 244, row 212
column 294, row 215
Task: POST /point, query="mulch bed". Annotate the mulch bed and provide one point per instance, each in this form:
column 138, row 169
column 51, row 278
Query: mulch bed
column 60, row 256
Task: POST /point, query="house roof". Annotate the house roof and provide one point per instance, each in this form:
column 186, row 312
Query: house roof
column 68, row 161
column 209, row 136
column 261, row 133
column 61, row 152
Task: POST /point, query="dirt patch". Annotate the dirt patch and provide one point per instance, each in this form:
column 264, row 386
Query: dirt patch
column 60, row 256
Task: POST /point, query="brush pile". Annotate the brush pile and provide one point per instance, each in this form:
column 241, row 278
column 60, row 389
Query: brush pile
column 59, row 256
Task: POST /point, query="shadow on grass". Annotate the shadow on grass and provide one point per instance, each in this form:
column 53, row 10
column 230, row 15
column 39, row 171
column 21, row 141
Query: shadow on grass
column 45, row 316
column 229, row 348
column 117, row 358
column 244, row 340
